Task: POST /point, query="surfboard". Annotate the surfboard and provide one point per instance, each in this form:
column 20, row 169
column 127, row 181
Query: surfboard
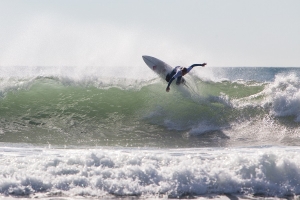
column 159, row 67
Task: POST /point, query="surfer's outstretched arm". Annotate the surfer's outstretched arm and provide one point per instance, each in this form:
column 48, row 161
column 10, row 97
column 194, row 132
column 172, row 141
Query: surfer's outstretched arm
column 194, row 65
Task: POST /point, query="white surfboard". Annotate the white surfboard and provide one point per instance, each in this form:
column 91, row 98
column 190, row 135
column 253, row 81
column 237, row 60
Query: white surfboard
column 159, row 67
column 162, row 69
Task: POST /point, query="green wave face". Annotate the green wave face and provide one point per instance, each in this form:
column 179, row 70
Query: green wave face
column 53, row 111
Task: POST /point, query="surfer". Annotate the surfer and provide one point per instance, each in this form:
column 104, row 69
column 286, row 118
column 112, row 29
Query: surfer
column 178, row 72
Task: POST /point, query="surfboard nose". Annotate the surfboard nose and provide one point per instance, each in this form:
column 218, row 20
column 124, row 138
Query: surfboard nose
column 148, row 60
column 151, row 61
column 145, row 57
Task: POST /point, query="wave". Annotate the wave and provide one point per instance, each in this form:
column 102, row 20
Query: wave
column 93, row 110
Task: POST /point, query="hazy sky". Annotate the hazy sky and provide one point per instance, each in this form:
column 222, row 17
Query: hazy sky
column 119, row 32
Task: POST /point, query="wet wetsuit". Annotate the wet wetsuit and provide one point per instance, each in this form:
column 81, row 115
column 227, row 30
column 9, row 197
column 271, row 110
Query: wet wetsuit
column 177, row 73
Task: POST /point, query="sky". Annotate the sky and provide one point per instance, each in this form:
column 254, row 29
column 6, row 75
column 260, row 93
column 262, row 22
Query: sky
column 264, row 33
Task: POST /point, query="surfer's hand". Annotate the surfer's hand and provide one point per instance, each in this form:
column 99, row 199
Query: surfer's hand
column 168, row 89
column 203, row 65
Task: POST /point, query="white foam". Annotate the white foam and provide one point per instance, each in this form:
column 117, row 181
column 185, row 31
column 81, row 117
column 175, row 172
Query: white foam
column 203, row 127
column 283, row 96
column 12, row 84
column 101, row 172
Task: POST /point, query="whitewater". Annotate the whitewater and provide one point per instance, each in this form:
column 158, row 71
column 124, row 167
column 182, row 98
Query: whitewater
column 110, row 132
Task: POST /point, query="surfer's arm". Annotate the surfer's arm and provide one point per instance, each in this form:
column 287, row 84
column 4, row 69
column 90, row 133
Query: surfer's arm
column 194, row 65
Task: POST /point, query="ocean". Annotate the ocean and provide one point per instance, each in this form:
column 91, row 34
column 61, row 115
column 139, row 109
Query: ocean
column 98, row 133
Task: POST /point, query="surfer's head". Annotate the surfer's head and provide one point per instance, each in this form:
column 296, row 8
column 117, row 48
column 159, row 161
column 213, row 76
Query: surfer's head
column 184, row 71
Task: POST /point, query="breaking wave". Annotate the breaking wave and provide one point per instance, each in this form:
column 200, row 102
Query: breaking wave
column 95, row 110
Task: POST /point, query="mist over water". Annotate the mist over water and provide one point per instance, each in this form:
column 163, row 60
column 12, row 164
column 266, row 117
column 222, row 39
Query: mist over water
column 47, row 40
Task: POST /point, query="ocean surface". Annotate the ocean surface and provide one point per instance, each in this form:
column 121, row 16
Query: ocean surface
column 94, row 132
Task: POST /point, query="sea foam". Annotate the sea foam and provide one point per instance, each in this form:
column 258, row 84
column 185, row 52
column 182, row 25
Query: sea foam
column 265, row 171
column 283, row 95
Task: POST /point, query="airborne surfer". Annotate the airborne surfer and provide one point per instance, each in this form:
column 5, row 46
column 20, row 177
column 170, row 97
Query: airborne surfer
column 178, row 72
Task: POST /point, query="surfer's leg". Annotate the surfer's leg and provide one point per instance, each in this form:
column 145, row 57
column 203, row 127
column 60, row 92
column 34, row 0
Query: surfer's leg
column 168, row 77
